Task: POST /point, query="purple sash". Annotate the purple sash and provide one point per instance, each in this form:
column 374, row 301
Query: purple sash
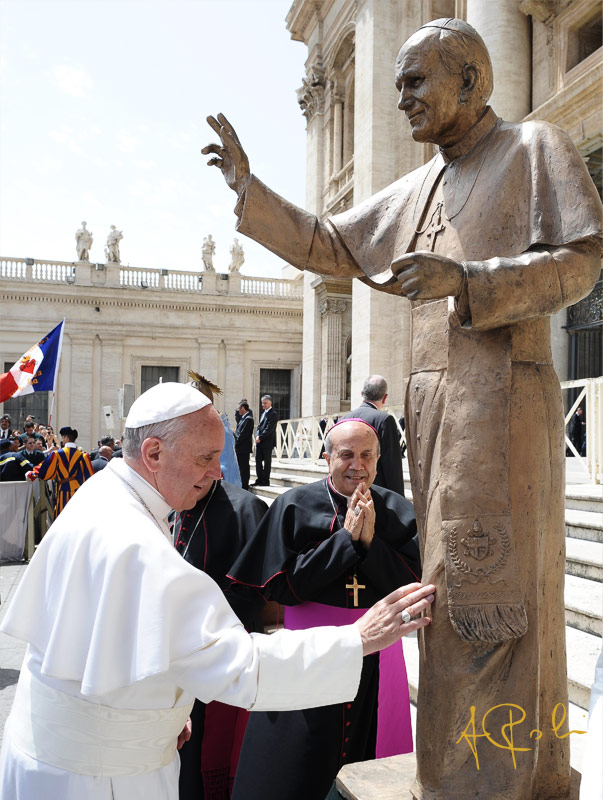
column 394, row 731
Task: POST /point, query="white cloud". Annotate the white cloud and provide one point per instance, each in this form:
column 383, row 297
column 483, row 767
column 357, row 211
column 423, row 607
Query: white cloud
column 146, row 165
column 126, row 142
column 66, row 135
column 71, row 80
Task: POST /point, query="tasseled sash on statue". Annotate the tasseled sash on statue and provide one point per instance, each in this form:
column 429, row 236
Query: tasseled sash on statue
column 394, row 731
column 484, row 597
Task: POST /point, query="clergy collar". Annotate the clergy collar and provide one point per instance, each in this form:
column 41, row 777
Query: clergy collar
column 483, row 126
column 156, row 503
column 334, row 491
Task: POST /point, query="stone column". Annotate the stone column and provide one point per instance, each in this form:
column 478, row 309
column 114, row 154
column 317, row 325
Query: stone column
column 311, row 346
column 111, row 378
column 80, row 416
column 220, row 375
column 208, row 360
column 337, row 131
column 383, row 151
column 506, row 32
column 332, row 356
column 311, row 98
column 233, row 380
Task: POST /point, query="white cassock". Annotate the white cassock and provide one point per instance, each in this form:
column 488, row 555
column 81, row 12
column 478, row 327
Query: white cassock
column 122, row 634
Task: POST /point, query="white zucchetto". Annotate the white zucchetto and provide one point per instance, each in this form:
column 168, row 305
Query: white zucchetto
column 165, row 401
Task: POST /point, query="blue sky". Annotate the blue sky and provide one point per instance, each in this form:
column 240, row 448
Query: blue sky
column 102, row 118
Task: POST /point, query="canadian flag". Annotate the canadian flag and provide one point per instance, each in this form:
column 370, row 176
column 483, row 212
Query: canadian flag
column 36, row 370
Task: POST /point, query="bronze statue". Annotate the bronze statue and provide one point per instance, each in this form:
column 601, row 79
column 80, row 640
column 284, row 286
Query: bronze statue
column 496, row 233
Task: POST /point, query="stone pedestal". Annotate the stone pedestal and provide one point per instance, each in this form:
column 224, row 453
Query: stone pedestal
column 383, row 779
column 209, row 282
column 391, row 779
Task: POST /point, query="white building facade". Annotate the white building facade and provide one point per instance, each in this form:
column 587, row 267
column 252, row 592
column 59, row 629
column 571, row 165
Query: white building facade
column 131, row 327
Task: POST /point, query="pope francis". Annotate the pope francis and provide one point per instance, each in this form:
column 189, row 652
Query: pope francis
column 122, row 633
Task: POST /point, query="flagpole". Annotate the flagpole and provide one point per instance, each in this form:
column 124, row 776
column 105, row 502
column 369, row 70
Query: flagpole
column 51, row 409
column 56, row 372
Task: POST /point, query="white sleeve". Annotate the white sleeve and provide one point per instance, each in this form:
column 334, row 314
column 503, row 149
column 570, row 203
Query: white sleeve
column 285, row 671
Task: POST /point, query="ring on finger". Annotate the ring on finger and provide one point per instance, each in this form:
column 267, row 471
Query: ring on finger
column 406, row 616
column 356, row 511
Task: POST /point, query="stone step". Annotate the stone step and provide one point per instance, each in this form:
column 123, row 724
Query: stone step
column 584, row 604
column 576, row 470
column 582, row 652
column 269, row 493
column 584, row 524
column 584, row 559
column 584, row 497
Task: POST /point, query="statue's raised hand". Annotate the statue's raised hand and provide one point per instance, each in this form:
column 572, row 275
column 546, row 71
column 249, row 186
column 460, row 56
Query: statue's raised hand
column 428, row 276
column 230, row 156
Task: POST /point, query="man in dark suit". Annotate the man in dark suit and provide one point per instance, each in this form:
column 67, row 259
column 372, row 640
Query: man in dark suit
column 244, row 441
column 5, row 428
column 389, row 466
column 105, row 453
column 265, row 439
column 13, row 466
column 31, row 453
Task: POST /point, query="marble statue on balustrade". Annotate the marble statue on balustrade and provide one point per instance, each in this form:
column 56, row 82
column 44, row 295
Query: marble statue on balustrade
column 112, row 248
column 207, row 253
column 500, row 230
column 83, row 243
column 237, row 256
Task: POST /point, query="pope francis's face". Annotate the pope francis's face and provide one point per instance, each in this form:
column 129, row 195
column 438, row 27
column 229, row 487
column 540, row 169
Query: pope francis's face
column 429, row 93
column 193, row 464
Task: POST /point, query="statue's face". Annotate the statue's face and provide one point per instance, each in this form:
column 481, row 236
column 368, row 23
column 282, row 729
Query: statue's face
column 429, row 94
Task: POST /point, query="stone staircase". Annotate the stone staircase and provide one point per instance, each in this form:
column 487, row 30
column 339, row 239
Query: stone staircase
column 583, row 583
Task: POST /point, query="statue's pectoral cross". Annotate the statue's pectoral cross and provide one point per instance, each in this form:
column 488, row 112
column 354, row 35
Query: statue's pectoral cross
column 436, row 226
column 355, row 586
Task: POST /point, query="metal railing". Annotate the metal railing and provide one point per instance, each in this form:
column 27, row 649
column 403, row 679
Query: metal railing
column 303, row 437
column 590, row 396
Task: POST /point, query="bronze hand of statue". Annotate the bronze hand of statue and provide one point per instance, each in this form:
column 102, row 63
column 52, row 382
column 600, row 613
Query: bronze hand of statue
column 428, row 276
column 231, row 158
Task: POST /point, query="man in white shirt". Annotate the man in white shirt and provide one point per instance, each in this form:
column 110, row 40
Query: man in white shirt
column 123, row 633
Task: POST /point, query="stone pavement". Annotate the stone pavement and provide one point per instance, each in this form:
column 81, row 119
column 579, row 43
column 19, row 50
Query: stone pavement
column 11, row 650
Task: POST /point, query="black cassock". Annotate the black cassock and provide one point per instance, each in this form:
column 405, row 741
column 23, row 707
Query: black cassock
column 210, row 537
column 301, row 553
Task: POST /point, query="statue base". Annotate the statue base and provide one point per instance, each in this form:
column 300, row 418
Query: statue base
column 382, row 779
column 391, row 779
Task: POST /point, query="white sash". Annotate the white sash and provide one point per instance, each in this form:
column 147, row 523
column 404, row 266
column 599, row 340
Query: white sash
column 88, row 738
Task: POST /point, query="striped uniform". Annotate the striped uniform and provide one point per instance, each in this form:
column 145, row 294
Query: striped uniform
column 69, row 467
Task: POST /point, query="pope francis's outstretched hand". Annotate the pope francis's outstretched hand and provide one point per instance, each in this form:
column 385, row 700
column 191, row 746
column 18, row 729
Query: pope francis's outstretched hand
column 428, row 276
column 383, row 624
column 230, row 156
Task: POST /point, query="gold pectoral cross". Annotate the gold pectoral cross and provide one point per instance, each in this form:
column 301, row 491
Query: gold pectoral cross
column 436, row 226
column 355, row 586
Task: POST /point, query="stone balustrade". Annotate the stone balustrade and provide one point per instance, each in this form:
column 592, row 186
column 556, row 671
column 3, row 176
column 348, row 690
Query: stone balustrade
column 83, row 273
